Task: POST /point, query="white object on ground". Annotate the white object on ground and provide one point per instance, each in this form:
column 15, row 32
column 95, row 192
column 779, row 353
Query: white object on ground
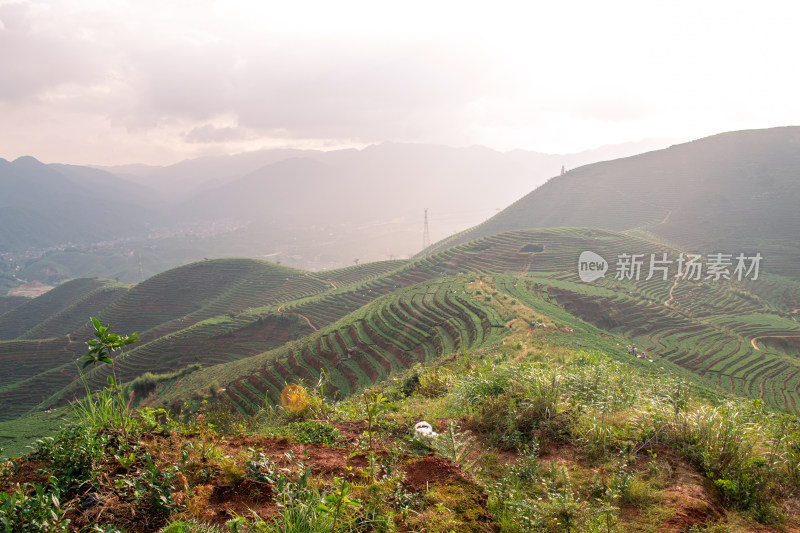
column 424, row 429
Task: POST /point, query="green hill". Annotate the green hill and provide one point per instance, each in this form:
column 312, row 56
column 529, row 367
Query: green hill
column 62, row 309
column 734, row 191
column 254, row 326
column 499, row 335
column 7, row 303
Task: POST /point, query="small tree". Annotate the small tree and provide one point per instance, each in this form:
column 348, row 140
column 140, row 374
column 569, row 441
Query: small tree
column 101, row 348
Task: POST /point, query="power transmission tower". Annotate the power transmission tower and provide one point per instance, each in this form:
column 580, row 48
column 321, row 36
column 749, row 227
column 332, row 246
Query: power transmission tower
column 426, row 236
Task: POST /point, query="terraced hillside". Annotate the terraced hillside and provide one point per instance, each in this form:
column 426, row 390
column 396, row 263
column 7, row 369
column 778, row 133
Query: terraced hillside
column 409, row 326
column 255, row 327
column 7, row 303
column 56, row 307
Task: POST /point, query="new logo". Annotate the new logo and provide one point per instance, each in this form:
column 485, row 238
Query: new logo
column 591, row 267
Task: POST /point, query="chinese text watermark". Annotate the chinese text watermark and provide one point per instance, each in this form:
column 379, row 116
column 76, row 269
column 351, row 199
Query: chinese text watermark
column 696, row 267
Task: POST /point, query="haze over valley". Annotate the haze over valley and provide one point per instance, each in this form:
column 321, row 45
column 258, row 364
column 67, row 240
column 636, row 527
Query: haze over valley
column 417, row 267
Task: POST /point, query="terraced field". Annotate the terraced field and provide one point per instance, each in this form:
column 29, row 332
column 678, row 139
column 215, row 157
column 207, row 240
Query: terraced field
column 181, row 297
column 256, row 326
column 33, row 370
column 715, row 330
column 17, row 321
column 7, row 303
column 396, row 331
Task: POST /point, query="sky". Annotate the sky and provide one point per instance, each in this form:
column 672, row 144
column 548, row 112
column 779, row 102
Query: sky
column 112, row 81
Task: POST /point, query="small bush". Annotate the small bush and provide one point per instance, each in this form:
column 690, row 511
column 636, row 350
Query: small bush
column 144, row 384
column 433, row 384
column 313, row 432
column 32, row 508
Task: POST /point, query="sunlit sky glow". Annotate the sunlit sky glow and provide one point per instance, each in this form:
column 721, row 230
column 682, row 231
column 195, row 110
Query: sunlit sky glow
column 112, row 81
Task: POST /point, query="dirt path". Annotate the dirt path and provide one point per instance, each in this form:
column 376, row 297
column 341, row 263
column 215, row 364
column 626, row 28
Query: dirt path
column 671, row 289
column 665, row 218
column 304, row 317
column 522, row 273
column 332, row 284
column 754, row 339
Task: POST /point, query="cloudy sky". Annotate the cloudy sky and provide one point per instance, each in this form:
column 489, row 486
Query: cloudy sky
column 115, row 81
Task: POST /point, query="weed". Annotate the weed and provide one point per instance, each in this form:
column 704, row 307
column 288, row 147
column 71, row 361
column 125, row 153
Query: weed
column 457, row 446
column 260, row 468
column 334, row 502
column 182, row 526
column 526, row 468
column 312, row 432
column 153, row 487
column 32, row 508
column 433, row 383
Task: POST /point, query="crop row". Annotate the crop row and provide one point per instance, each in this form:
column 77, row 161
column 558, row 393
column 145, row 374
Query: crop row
column 17, row 321
column 208, row 343
column 76, row 316
column 396, row 332
column 356, row 275
column 7, row 303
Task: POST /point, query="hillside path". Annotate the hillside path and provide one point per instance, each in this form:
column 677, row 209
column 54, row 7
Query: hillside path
column 304, row 317
column 671, row 289
column 332, row 284
column 524, row 272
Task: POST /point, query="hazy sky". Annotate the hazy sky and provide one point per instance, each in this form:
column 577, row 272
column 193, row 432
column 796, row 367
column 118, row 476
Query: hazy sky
column 113, row 81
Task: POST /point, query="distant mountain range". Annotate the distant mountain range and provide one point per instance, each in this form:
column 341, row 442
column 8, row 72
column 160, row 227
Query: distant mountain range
column 45, row 205
column 306, row 208
column 180, row 180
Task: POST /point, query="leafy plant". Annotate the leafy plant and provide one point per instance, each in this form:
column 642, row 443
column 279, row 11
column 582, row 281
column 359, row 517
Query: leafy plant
column 375, row 404
column 73, row 454
column 153, row 487
column 109, row 407
column 457, row 446
column 106, row 343
column 313, row 432
column 259, row 467
column 32, row 508
column 335, row 501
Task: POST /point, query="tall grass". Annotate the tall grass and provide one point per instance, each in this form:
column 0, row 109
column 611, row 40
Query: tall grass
column 750, row 453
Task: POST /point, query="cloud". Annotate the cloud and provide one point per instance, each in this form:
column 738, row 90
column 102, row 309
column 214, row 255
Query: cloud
column 610, row 108
column 322, row 89
column 212, row 134
column 35, row 62
column 351, row 93
column 198, row 76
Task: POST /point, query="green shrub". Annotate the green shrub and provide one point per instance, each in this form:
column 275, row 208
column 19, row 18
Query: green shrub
column 433, row 383
column 144, row 384
column 313, row 432
column 74, row 454
column 32, row 508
